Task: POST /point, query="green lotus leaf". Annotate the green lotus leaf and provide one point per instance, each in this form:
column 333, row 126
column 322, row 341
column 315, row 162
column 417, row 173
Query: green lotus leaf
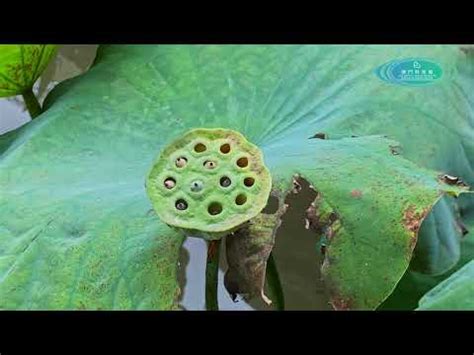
column 454, row 293
column 415, row 284
column 21, row 66
column 78, row 231
column 438, row 248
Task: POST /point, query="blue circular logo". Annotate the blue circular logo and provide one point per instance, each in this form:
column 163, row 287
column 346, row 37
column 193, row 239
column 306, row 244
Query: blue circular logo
column 410, row 71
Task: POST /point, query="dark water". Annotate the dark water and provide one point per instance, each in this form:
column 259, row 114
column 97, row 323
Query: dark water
column 298, row 258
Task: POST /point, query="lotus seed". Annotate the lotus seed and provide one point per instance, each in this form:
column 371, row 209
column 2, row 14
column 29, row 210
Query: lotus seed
column 197, row 186
column 181, row 162
column 208, row 164
column 170, row 183
column 181, row 205
column 225, row 181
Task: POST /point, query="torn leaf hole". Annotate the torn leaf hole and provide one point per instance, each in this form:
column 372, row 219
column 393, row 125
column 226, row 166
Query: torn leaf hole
column 298, row 254
column 272, row 205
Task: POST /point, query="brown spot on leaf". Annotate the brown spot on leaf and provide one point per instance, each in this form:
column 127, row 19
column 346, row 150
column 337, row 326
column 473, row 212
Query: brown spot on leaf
column 341, row 304
column 356, row 193
column 412, row 219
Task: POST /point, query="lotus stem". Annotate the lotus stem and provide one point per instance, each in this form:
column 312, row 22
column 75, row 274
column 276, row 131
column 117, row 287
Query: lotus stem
column 32, row 104
column 212, row 272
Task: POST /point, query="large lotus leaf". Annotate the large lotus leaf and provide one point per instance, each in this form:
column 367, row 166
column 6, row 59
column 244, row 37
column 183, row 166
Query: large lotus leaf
column 454, row 293
column 439, row 242
column 435, row 132
column 75, row 227
column 434, row 124
column 76, row 230
column 21, row 65
column 371, row 204
column 414, row 284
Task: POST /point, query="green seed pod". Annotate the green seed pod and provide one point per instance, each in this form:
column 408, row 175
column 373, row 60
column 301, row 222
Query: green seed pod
column 209, row 182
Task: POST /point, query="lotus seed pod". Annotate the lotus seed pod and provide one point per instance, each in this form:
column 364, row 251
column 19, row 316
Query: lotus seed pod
column 224, row 183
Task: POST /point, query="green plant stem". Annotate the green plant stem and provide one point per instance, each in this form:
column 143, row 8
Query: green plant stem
column 32, row 104
column 274, row 284
column 212, row 272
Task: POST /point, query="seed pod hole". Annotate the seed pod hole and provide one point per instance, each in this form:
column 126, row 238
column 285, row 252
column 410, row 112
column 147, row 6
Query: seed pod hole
column 249, row 181
column 225, row 181
column 209, row 164
column 214, row 208
column 242, row 162
column 181, row 162
column 240, row 199
column 199, row 148
column 170, row 183
column 181, row 205
column 197, row 185
column 225, row 148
